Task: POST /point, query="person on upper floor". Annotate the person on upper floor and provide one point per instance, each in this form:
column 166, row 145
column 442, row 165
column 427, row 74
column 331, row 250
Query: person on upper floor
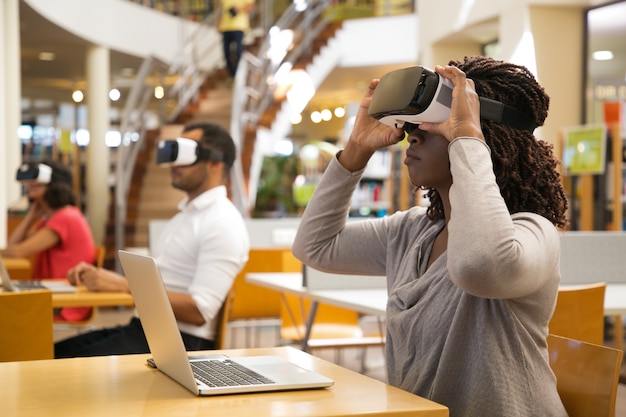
column 234, row 23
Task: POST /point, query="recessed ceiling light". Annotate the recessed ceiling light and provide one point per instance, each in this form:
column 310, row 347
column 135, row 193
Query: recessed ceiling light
column 602, row 55
column 47, row 56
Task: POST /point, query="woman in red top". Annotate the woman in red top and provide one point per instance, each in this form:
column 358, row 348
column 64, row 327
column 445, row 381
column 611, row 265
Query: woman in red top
column 54, row 230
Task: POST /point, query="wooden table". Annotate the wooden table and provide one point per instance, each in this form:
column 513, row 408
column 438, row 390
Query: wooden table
column 20, row 323
column 126, row 386
column 85, row 298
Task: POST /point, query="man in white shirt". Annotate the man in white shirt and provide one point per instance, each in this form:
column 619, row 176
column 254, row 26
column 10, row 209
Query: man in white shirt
column 200, row 252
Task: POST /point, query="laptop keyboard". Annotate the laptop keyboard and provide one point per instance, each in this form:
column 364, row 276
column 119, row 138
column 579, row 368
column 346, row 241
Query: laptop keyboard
column 30, row 285
column 226, row 373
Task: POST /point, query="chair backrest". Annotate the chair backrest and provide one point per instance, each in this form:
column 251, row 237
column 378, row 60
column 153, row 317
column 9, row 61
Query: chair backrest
column 587, row 375
column 222, row 321
column 579, row 313
column 26, row 325
column 99, row 256
column 251, row 301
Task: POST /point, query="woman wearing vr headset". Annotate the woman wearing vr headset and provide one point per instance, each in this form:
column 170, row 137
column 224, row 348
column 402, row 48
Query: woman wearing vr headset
column 54, row 230
column 473, row 278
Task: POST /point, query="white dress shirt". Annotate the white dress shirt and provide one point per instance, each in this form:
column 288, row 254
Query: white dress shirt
column 200, row 252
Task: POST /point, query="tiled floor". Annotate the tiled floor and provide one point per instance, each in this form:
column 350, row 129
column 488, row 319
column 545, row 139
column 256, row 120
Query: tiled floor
column 266, row 335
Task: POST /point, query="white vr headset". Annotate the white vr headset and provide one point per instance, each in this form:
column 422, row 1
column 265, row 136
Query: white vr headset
column 184, row 152
column 40, row 173
column 417, row 94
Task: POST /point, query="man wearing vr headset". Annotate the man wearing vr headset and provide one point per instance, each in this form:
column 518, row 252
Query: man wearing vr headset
column 200, row 251
column 472, row 278
column 54, row 230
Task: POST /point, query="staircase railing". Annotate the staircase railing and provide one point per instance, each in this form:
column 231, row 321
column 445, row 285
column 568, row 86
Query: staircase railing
column 134, row 121
column 253, row 91
column 255, row 81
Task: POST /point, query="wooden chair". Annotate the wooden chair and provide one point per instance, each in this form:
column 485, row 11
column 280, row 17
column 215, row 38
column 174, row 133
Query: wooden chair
column 222, row 321
column 587, row 375
column 26, row 325
column 579, row 313
column 87, row 323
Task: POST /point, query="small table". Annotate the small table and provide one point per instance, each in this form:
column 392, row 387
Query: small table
column 373, row 301
column 370, row 301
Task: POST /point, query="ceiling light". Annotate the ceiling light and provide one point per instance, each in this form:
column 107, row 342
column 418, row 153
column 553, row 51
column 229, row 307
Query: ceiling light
column 159, row 93
column 316, row 117
column 326, row 115
column 77, row 96
column 47, row 56
column 114, row 94
column 340, row 112
column 602, row 55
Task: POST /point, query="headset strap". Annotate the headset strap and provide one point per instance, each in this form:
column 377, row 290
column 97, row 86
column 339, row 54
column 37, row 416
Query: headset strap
column 499, row 112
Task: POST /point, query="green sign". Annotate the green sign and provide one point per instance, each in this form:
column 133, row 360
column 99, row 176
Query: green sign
column 584, row 150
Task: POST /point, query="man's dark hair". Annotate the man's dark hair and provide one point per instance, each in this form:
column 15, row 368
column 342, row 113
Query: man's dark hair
column 216, row 137
column 525, row 168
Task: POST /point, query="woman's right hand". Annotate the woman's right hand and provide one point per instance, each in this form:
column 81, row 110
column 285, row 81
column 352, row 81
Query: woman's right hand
column 35, row 211
column 368, row 135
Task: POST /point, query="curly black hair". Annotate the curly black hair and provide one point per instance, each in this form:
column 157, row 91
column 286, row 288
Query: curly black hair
column 525, row 168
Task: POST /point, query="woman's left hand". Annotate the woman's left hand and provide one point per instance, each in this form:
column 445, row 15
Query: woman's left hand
column 464, row 119
column 368, row 135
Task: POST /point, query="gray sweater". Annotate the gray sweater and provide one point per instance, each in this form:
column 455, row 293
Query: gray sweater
column 470, row 331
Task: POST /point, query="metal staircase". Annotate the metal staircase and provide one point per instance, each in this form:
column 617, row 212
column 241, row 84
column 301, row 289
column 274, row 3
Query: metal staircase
column 252, row 106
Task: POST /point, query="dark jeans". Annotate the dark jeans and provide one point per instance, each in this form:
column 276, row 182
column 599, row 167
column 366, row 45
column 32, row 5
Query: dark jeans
column 233, row 48
column 120, row 340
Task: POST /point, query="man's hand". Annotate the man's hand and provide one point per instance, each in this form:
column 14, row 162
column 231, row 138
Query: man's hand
column 97, row 279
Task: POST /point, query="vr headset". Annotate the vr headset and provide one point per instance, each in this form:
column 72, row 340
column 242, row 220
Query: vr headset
column 40, row 173
column 185, row 152
column 417, row 94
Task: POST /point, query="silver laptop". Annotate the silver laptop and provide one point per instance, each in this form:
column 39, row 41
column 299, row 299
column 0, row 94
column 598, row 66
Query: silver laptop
column 14, row 286
column 259, row 373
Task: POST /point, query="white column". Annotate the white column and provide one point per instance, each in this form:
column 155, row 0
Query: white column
column 559, row 39
column 10, row 108
column 97, row 161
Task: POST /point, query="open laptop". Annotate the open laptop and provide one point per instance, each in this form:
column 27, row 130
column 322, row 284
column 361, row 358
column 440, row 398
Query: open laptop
column 271, row 373
column 14, row 286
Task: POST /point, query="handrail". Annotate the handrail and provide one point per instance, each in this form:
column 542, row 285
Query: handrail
column 254, row 84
